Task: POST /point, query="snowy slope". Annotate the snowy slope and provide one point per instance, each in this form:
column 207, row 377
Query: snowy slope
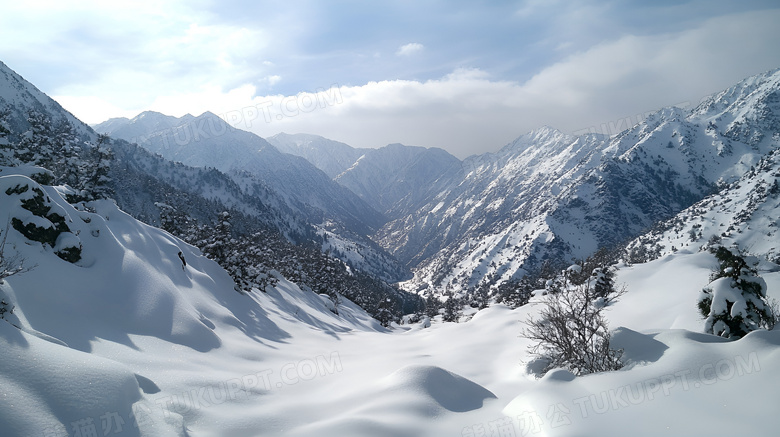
column 15, row 92
column 127, row 342
column 679, row 382
column 744, row 213
column 100, row 336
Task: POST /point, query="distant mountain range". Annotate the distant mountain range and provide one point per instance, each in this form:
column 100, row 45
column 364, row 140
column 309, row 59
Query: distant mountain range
column 206, row 141
column 548, row 196
column 544, row 199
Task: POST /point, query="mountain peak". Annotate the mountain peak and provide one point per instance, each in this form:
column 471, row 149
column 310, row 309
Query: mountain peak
column 748, row 92
column 149, row 115
column 544, row 134
column 207, row 114
column 544, row 131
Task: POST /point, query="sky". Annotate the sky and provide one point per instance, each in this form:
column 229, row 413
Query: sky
column 465, row 76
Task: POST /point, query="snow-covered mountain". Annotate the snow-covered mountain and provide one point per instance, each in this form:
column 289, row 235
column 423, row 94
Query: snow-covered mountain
column 393, row 179
column 550, row 196
column 128, row 341
column 330, row 156
column 396, row 178
column 503, row 190
column 208, row 141
column 16, row 94
column 306, row 193
column 744, row 214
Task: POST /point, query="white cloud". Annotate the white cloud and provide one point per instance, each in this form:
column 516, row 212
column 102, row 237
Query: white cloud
column 128, row 53
column 468, row 112
column 410, row 49
column 273, row 79
column 91, row 109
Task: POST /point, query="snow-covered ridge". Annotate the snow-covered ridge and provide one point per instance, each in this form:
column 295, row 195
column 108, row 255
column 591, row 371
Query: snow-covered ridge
column 296, row 186
column 742, row 214
column 583, row 192
column 107, row 332
column 332, row 157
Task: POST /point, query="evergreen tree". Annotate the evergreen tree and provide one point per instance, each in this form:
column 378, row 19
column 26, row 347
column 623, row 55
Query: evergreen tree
column 735, row 301
column 515, row 293
column 172, row 220
column 35, row 147
column 603, row 282
column 384, row 313
column 433, row 306
column 6, row 151
column 67, row 162
column 95, row 178
column 453, row 309
column 480, row 297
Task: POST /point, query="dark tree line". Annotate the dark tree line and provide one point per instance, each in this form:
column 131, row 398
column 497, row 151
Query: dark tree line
column 53, row 144
column 255, row 260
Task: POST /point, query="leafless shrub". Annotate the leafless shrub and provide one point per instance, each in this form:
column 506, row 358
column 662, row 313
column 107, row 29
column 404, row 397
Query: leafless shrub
column 10, row 265
column 572, row 333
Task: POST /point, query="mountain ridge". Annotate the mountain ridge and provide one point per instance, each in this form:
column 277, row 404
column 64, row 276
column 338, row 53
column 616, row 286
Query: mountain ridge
column 309, row 194
column 549, row 195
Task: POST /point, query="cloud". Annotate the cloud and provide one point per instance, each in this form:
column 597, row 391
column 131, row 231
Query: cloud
column 467, row 112
column 463, row 110
column 273, row 79
column 410, row 49
column 131, row 52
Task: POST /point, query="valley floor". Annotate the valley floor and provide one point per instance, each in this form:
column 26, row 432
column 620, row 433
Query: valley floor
column 282, row 364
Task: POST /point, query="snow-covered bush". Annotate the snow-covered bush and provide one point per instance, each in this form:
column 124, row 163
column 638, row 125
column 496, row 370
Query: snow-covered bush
column 44, row 221
column 735, row 301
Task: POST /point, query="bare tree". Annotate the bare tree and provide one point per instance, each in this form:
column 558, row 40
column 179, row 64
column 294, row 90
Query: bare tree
column 10, row 265
column 572, row 333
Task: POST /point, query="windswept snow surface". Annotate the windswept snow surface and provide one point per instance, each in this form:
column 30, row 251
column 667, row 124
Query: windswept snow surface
column 128, row 342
